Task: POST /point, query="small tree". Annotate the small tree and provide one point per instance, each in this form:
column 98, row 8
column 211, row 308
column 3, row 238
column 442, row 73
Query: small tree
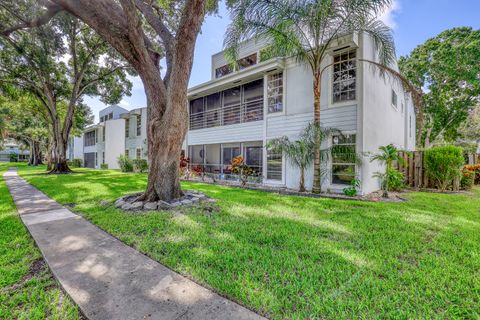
column 242, row 169
column 388, row 154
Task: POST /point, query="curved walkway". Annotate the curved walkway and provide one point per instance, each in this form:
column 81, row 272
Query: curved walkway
column 105, row 277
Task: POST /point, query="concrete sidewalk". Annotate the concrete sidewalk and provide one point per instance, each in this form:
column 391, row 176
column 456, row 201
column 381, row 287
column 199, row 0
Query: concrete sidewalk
column 106, row 278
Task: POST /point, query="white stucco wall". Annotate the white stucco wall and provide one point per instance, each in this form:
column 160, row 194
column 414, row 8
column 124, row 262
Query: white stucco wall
column 114, row 141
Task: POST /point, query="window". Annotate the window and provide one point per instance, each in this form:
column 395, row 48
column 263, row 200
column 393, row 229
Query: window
column 127, row 128
column 127, row 154
column 394, row 98
column 274, row 164
column 101, row 119
column 139, row 153
column 253, row 158
column 223, row 71
column 213, row 106
column 247, row 61
column 96, row 136
column 344, row 77
column 229, row 153
column 103, row 157
column 275, row 92
column 96, row 159
column 89, row 138
column 139, row 125
column 343, row 159
column 110, row 115
column 103, row 134
column 242, row 63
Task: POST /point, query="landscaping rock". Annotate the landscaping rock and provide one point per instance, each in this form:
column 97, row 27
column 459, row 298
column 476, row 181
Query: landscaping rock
column 163, row 205
column 119, row 203
column 150, row 206
column 137, row 206
column 175, row 204
column 195, row 199
column 186, row 201
column 198, row 195
column 127, row 206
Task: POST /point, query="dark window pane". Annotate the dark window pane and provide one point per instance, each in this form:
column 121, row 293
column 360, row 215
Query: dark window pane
column 247, row 61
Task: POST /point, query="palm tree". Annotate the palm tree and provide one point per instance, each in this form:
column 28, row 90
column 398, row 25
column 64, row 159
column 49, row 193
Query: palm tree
column 304, row 29
column 388, row 154
column 301, row 152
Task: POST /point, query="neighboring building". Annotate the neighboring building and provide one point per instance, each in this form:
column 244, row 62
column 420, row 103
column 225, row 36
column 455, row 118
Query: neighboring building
column 237, row 112
column 10, row 147
column 119, row 132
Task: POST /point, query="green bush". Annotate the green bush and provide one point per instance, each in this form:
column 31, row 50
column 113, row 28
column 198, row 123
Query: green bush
column 75, row 163
column 468, row 179
column 444, row 165
column 13, row 157
column 140, row 165
column 396, row 180
column 352, row 190
column 125, row 163
column 104, row 166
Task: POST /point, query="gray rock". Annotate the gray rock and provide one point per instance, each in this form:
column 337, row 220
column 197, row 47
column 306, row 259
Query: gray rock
column 104, row 203
column 119, row 204
column 199, row 195
column 195, row 199
column 127, row 206
column 150, row 206
column 186, row 201
column 175, row 204
column 137, row 205
column 163, row 205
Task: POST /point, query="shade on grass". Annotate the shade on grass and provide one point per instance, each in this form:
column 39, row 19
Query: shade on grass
column 294, row 258
column 27, row 288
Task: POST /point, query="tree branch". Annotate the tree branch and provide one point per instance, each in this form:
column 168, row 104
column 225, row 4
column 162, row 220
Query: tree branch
column 52, row 10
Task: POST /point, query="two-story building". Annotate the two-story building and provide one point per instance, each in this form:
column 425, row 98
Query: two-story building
column 119, row 132
column 238, row 111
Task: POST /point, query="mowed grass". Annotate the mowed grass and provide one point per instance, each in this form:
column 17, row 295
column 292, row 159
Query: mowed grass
column 27, row 288
column 301, row 258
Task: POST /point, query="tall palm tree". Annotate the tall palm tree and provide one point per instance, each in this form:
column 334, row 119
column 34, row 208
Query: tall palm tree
column 301, row 152
column 304, row 29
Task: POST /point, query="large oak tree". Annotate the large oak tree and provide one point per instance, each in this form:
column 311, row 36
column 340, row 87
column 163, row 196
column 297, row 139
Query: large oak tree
column 60, row 60
column 144, row 32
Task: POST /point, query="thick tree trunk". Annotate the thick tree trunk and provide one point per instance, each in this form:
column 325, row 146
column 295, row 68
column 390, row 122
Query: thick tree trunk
column 59, row 159
column 317, row 90
column 35, row 154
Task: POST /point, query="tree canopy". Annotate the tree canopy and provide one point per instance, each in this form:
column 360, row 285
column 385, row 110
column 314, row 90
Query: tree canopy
column 447, row 67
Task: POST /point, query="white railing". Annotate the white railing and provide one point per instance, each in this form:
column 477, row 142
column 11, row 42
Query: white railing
column 224, row 172
column 233, row 114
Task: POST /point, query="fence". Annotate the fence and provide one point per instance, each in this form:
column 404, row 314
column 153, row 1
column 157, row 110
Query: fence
column 414, row 170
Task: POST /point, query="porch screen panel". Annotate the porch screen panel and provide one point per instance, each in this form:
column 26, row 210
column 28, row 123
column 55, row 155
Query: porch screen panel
column 253, row 99
column 196, row 114
column 274, row 164
column 231, row 106
column 213, row 105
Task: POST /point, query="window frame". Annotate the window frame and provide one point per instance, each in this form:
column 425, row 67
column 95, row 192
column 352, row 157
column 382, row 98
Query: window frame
column 139, row 125
column 282, row 167
column 277, row 95
column 332, row 77
column 127, row 128
column 332, row 163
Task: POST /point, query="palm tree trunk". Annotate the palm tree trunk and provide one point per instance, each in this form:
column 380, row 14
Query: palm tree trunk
column 317, row 90
column 302, row 180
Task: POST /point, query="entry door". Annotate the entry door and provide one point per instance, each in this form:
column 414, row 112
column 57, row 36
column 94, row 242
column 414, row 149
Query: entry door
column 89, row 160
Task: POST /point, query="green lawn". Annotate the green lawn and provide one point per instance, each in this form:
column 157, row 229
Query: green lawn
column 301, row 258
column 27, row 288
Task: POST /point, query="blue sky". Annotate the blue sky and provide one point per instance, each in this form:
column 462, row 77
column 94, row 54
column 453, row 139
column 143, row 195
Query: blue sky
column 413, row 22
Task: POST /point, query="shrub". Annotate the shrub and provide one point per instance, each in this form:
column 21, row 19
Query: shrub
column 476, row 169
column 352, row 190
column 75, row 163
column 468, row 179
column 443, row 165
column 13, row 157
column 140, row 165
column 240, row 168
column 387, row 155
column 104, row 166
column 125, row 163
column 184, row 171
column 396, row 180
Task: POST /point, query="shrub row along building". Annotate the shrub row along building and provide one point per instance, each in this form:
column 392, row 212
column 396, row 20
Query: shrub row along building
column 239, row 110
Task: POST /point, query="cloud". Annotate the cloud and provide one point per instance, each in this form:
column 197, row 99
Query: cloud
column 389, row 15
column 124, row 103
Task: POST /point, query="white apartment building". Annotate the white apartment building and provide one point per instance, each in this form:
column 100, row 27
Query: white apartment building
column 119, row 132
column 238, row 111
column 11, row 147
